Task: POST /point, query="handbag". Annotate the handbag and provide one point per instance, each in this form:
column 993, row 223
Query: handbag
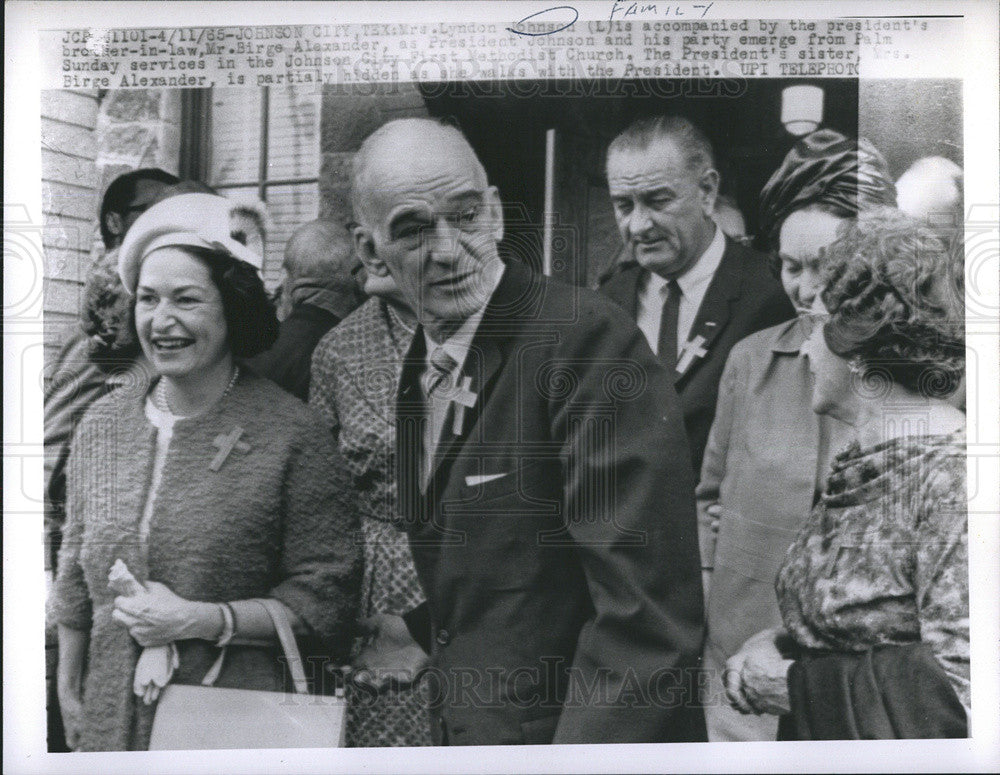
column 209, row 717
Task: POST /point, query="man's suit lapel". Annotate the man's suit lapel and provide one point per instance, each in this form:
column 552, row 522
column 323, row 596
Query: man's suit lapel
column 481, row 367
column 623, row 289
column 713, row 315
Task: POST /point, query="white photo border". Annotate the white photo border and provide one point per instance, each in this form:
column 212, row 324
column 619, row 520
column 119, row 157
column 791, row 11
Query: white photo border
column 24, row 695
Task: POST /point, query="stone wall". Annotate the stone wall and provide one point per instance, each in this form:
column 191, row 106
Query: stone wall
column 138, row 128
column 346, row 120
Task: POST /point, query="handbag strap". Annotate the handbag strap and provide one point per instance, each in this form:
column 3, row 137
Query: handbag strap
column 285, row 636
column 213, row 672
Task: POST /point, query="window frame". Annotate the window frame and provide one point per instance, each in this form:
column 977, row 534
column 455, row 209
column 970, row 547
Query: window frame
column 196, row 145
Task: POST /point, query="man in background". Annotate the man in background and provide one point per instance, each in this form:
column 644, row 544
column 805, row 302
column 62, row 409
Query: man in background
column 127, row 197
column 319, row 291
column 693, row 291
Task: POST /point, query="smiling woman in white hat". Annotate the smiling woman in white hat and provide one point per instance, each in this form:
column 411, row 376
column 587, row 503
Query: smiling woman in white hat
column 214, row 489
column 199, row 299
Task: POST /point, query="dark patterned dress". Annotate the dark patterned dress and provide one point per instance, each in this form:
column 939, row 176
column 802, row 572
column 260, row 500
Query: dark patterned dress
column 355, row 370
column 883, row 559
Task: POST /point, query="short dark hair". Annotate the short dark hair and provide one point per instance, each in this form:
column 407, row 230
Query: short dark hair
column 251, row 321
column 642, row 133
column 186, row 187
column 121, row 191
column 894, row 304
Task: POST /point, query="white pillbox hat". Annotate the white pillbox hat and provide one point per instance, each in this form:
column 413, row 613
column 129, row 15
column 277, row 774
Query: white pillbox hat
column 186, row 220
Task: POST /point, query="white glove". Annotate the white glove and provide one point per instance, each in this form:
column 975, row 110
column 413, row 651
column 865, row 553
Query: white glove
column 154, row 670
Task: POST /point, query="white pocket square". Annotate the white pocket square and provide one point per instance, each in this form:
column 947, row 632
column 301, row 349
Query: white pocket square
column 473, row 481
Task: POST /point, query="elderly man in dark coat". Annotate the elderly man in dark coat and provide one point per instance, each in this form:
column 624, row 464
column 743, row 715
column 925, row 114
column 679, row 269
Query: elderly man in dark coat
column 543, row 474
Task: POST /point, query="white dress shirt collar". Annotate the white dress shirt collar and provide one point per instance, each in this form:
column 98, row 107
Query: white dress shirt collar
column 457, row 345
column 693, row 284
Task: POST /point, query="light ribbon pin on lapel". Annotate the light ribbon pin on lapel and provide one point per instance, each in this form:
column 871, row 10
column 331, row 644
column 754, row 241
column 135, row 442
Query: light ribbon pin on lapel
column 462, row 399
column 226, row 444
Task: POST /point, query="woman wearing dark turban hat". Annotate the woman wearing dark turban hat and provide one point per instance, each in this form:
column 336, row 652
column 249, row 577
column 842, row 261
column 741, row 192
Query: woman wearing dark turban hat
column 828, row 171
column 768, row 452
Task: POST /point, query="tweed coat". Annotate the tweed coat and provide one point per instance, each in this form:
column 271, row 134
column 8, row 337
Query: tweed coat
column 742, row 297
column 355, row 371
column 271, row 521
column 556, row 540
column 76, row 381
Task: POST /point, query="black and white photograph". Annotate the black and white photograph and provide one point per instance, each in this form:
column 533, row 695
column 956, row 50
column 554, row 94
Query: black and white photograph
column 386, row 381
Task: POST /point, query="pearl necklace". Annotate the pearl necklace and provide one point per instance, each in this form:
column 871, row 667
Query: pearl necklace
column 160, row 394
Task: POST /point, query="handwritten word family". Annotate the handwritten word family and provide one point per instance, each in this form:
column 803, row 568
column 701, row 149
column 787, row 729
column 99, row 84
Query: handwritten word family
column 550, row 44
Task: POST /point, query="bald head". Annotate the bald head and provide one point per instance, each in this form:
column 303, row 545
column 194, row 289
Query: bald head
column 428, row 218
column 932, row 187
column 319, row 249
column 405, row 150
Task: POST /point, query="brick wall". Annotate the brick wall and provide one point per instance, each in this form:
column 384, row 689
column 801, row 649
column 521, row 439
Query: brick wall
column 87, row 140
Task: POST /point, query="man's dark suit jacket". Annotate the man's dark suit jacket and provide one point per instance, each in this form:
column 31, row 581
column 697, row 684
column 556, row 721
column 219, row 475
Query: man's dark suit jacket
column 743, row 297
column 564, row 597
column 288, row 361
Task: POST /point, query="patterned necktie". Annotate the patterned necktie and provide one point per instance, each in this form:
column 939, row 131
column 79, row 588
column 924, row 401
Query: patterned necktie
column 438, row 374
column 437, row 384
column 667, row 343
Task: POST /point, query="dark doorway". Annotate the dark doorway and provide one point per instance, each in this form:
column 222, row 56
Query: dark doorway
column 507, row 122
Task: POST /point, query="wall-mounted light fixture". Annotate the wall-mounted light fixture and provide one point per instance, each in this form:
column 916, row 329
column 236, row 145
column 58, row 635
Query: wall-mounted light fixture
column 801, row 109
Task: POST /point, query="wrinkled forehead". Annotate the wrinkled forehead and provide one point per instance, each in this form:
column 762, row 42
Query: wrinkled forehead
column 662, row 163
column 420, row 171
column 435, row 190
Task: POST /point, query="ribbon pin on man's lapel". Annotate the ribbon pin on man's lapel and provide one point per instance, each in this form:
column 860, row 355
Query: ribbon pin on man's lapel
column 462, row 398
